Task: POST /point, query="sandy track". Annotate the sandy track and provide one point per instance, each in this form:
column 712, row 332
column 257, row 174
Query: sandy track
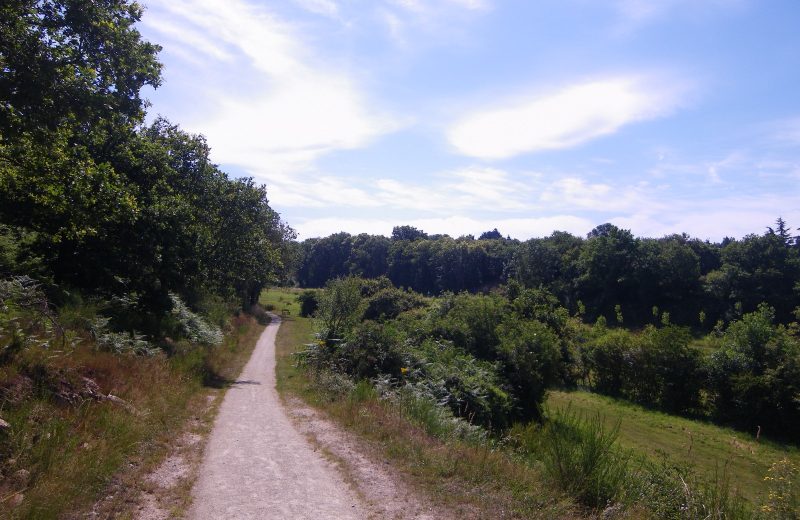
column 257, row 465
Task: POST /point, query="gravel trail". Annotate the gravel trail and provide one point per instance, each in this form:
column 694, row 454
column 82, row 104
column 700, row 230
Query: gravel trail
column 257, row 465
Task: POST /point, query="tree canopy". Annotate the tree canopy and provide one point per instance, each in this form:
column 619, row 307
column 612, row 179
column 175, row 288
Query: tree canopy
column 92, row 198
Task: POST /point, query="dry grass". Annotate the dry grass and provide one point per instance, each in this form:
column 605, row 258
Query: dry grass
column 74, row 453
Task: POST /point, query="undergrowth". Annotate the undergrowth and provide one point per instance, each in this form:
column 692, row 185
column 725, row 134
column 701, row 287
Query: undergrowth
column 78, row 413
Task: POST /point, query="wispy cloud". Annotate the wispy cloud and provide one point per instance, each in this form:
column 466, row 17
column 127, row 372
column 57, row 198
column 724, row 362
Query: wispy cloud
column 564, row 118
column 269, row 100
column 407, row 20
column 327, row 8
column 464, row 189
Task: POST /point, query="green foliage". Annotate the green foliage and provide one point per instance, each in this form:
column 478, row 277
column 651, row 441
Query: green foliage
column 529, row 353
column 92, row 200
column 436, row 419
column 26, row 318
column 754, row 375
column 308, row 303
column 470, row 322
column 783, row 497
column 120, row 342
column 340, row 307
column 606, row 359
column 609, row 274
column 471, row 388
column 194, row 327
column 368, row 350
column 70, row 88
column 676, row 491
column 389, row 303
column 580, row 456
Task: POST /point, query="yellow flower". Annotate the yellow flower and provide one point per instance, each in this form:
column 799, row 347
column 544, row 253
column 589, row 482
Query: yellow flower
column 404, row 370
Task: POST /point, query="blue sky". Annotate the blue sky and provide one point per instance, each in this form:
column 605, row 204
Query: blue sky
column 459, row 116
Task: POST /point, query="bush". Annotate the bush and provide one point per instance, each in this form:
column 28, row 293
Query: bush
column 471, row 388
column 470, row 322
column 194, row 327
column 529, row 352
column 340, row 307
column 389, row 303
column 755, row 375
column 308, row 303
column 369, row 350
column 607, row 361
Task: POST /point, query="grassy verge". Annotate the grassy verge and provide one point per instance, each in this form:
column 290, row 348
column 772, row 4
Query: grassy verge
column 706, row 447
column 59, row 456
column 474, row 478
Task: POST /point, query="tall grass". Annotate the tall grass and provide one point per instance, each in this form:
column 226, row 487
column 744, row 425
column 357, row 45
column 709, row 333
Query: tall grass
column 59, row 455
column 581, row 457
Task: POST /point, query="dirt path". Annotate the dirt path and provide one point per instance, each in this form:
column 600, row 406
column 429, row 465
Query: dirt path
column 257, row 465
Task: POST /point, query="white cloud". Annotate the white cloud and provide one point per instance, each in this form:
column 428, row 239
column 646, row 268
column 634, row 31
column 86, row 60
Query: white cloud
column 713, row 219
column 267, row 101
column 565, row 118
column 703, row 218
column 470, row 188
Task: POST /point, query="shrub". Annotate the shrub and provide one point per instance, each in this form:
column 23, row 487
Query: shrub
column 471, row 388
column 308, row 303
column 120, row 342
column 340, row 307
column 783, row 499
column 368, row 350
column 470, row 322
column 607, row 361
column 754, row 376
column 529, row 352
column 389, row 303
column 194, row 327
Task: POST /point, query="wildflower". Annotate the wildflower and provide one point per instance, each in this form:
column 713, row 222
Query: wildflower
column 404, row 370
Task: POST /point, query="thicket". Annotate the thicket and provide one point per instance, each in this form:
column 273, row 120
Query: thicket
column 610, row 273
column 491, row 357
column 486, row 361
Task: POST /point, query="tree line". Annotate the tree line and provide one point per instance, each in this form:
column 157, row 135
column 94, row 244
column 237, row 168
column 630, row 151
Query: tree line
column 609, row 274
column 94, row 199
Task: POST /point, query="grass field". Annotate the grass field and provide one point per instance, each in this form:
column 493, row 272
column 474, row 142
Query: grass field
column 280, row 300
column 706, row 446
